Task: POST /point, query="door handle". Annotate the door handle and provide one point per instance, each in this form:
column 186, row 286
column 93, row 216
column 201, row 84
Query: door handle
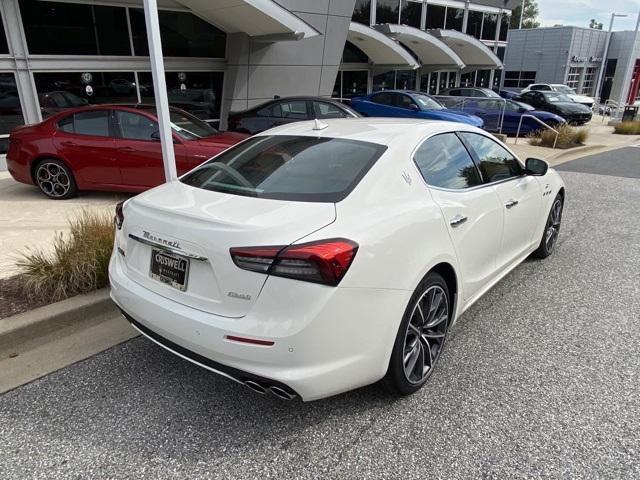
column 511, row 203
column 458, row 220
column 126, row 149
column 68, row 144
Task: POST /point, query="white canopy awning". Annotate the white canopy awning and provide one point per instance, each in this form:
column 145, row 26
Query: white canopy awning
column 434, row 54
column 263, row 20
column 381, row 50
column 475, row 54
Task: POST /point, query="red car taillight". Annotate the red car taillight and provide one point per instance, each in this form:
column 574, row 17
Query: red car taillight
column 324, row 261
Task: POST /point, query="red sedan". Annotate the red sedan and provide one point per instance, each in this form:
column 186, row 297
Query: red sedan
column 108, row 147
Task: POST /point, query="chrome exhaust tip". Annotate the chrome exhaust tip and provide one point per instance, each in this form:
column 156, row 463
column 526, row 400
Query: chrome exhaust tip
column 281, row 393
column 256, row 387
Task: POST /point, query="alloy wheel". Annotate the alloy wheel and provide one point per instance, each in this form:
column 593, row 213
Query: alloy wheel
column 53, row 180
column 553, row 225
column 425, row 334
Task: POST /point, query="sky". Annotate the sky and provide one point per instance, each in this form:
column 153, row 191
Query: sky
column 579, row 12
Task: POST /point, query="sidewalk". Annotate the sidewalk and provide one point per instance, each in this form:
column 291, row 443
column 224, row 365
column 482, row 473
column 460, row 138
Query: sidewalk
column 601, row 138
column 29, row 219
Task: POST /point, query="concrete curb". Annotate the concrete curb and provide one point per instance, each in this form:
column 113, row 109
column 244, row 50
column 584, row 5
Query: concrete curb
column 42, row 321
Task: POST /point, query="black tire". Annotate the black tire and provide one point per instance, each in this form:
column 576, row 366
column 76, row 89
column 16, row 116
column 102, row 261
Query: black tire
column 551, row 230
column 397, row 380
column 55, row 179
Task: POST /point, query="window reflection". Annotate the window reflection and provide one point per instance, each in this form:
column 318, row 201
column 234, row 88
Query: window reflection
column 474, row 24
column 387, row 11
column 435, row 16
column 411, row 13
column 62, row 90
column 362, row 12
column 4, row 46
column 10, row 109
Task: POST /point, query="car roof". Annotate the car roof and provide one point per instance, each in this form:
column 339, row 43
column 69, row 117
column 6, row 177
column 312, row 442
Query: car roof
column 383, row 131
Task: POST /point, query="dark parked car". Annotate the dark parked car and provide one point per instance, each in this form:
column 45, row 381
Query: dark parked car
column 281, row 111
column 469, row 92
column 409, row 104
column 491, row 111
column 557, row 103
column 508, row 93
column 108, row 147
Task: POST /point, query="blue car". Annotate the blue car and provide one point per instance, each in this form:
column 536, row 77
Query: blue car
column 409, row 104
column 508, row 93
column 490, row 111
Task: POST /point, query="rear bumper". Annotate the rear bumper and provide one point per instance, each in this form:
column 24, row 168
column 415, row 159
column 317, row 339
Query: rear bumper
column 327, row 340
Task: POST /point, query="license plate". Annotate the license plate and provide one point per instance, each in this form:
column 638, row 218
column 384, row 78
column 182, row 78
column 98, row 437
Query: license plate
column 170, row 269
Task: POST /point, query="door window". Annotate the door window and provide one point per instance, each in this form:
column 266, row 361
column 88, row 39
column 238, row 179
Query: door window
column 496, row 163
column 93, row 122
column 296, row 110
column 402, row 101
column 383, row 98
column 327, row 110
column 135, row 126
column 444, row 162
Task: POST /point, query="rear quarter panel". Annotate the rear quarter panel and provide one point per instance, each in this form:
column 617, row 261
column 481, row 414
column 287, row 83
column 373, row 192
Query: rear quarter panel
column 28, row 146
column 399, row 228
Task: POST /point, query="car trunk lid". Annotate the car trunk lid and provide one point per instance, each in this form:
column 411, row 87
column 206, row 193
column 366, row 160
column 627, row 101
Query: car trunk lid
column 197, row 227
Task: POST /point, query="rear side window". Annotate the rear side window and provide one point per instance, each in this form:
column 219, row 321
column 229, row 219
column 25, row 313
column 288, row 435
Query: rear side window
column 93, row 122
column 327, row 110
column 296, row 109
column 283, row 167
column 444, row 162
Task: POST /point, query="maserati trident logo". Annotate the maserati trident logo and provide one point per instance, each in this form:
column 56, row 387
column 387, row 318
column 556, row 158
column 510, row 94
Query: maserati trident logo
column 162, row 241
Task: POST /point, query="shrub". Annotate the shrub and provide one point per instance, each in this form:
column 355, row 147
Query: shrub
column 78, row 263
column 627, row 128
column 568, row 137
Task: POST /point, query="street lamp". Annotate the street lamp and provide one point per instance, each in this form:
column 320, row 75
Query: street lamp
column 606, row 54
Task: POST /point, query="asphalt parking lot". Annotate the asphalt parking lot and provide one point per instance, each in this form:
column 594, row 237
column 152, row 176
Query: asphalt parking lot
column 540, row 379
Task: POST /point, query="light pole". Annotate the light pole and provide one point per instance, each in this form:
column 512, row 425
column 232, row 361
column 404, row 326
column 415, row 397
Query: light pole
column 521, row 14
column 625, row 89
column 606, row 53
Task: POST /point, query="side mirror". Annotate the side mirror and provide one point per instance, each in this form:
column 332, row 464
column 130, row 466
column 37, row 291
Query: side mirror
column 413, row 107
column 536, row 167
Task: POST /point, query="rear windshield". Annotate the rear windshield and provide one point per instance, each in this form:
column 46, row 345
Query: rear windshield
column 281, row 167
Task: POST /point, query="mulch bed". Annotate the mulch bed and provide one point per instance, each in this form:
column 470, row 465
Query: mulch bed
column 13, row 300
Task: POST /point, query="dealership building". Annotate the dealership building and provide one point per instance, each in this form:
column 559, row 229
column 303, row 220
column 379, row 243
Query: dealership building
column 227, row 55
column 574, row 56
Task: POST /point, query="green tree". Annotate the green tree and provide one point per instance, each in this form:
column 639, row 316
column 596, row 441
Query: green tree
column 530, row 18
column 595, row 24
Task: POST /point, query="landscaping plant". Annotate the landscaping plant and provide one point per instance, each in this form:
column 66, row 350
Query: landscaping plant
column 627, row 128
column 77, row 263
column 568, row 137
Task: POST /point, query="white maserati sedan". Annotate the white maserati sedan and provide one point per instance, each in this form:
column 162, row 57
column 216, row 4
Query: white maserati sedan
column 316, row 258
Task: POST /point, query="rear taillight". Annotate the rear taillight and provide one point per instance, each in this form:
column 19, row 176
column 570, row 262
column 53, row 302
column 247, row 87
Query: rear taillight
column 119, row 218
column 324, row 261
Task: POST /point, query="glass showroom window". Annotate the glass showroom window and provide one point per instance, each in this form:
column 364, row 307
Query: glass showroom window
column 490, row 26
column 429, row 83
column 587, row 83
column 482, row 78
column 384, row 81
column 63, row 90
column 411, row 13
column 504, row 27
column 435, row 16
column 352, row 54
column 474, row 24
column 573, row 77
column 56, row 28
column 406, row 79
column 455, row 17
column 351, row 83
column 387, row 11
column 4, row 46
column 183, row 35
column 199, row 93
column 362, row 12
column 10, row 109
